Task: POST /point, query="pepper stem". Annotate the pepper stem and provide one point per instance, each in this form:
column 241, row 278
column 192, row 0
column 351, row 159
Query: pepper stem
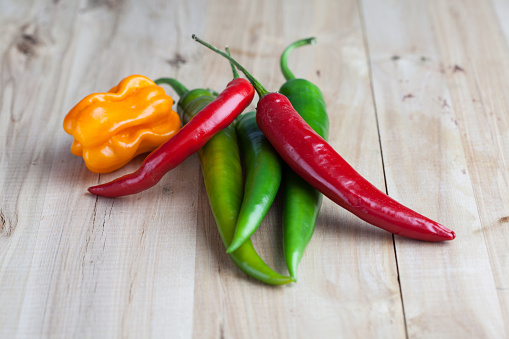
column 211, row 91
column 173, row 83
column 284, row 57
column 257, row 86
column 234, row 70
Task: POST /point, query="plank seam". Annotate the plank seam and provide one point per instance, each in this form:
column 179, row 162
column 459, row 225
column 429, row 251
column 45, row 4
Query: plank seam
column 373, row 97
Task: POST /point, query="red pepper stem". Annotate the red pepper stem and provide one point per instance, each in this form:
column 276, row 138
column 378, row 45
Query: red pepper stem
column 257, row 86
column 284, row 57
column 234, row 70
column 173, row 83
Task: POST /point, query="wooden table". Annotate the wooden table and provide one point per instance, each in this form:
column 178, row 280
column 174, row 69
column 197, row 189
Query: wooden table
column 418, row 97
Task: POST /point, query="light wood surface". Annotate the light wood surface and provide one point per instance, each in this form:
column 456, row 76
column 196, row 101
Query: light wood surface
column 418, row 98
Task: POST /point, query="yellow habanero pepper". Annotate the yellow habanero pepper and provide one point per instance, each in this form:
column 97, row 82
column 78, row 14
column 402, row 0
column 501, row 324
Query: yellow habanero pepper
column 110, row 129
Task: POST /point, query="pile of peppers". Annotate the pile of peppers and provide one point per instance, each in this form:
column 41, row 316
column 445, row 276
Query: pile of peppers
column 280, row 146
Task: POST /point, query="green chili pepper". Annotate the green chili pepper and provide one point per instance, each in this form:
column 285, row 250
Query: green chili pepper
column 263, row 177
column 222, row 173
column 301, row 202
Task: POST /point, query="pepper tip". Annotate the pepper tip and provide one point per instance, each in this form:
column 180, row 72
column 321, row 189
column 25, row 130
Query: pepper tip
column 92, row 190
column 235, row 244
column 447, row 233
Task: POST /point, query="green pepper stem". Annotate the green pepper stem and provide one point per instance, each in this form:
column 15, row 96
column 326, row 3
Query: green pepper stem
column 211, row 91
column 173, row 83
column 284, row 57
column 257, row 86
column 234, row 70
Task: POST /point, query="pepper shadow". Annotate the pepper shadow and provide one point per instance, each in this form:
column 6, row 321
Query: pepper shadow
column 341, row 223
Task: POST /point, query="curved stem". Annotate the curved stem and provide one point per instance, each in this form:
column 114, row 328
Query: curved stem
column 211, row 91
column 234, row 70
column 257, row 86
column 173, row 83
column 284, row 57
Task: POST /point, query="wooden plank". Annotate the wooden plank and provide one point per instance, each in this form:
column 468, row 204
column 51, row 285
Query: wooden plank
column 72, row 265
column 448, row 289
column 82, row 266
column 348, row 279
column 478, row 82
column 32, row 42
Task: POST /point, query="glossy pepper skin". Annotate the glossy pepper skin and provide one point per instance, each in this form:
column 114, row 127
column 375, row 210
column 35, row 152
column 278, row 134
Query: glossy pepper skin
column 323, row 168
column 110, row 129
column 301, row 202
column 312, row 158
column 222, row 173
column 263, row 176
column 217, row 115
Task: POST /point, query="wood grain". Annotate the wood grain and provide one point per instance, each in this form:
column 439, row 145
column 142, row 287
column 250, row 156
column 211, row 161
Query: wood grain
column 284, row 312
column 417, row 96
column 426, row 168
column 480, row 93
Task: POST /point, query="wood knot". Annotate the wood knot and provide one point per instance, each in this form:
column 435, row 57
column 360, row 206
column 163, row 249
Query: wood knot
column 457, row 68
column 27, row 44
column 3, row 223
column 167, row 190
column 177, row 60
column 7, row 225
column 503, row 220
column 27, row 41
column 408, row 96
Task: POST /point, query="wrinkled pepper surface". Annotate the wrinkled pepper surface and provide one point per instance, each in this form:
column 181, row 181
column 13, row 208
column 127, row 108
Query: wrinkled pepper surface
column 112, row 128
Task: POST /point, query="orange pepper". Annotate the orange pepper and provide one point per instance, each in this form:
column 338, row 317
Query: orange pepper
column 110, row 129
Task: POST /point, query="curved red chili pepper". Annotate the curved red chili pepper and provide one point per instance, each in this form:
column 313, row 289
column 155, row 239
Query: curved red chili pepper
column 214, row 117
column 310, row 156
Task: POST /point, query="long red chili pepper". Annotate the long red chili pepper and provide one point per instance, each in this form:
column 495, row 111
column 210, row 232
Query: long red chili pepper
column 310, row 156
column 214, row 117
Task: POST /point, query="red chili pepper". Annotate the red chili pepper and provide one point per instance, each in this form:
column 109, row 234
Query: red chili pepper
column 310, row 156
column 214, row 117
